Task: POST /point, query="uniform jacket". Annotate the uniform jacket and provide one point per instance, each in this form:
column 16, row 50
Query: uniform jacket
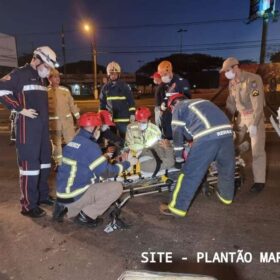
column 247, row 96
column 177, row 84
column 198, row 120
column 116, row 97
column 137, row 140
column 82, row 165
column 23, row 88
column 61, row 107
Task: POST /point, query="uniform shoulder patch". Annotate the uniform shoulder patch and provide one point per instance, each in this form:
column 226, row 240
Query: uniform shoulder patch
column 255, row 93
column 6, row 78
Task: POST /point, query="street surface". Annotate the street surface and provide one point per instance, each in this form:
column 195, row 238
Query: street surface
column 39, row 249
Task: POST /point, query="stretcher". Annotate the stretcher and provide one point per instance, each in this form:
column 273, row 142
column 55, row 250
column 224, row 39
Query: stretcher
column 138, row 183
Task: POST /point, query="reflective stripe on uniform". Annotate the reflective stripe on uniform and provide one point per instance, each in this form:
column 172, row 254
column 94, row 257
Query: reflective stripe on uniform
column 29, row 172
column 5, row 92
column 121, row 120
column 68, row 115
column 73, row 171
column 178, row 148
column 225, row 201
column 77, row 114
column 200, row 115
column 116, row 98
column 74, row 193
column 179, row 123
column 45, row 166
column 34, row 87
column 54, row 118
column 132, row 109
column 176, row 190
column 213, row 129
column 177, row 211
column 120, row 168
column 97, row 162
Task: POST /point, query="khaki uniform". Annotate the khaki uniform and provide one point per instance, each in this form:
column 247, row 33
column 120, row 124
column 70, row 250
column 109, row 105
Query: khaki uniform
column 147, row 143
column 248, row 98
column 61, row 108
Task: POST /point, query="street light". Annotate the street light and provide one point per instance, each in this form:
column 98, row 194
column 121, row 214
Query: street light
column 181, row 31
column 89, row 30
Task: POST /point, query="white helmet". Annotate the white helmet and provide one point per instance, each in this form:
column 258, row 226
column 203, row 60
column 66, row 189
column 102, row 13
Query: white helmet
column 113, row 67
column 47, row 55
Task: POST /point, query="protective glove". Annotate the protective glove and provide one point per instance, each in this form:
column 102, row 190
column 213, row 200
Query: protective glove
column 132, row 118
column 252, row 129
column 163, row 106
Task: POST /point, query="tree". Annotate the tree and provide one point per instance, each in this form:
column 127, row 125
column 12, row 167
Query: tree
column 275, row 57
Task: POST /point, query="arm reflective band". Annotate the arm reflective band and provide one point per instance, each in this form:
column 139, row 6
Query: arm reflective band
column 120, row 168
column 132, row 109
column 116, row 98
column 97, row 162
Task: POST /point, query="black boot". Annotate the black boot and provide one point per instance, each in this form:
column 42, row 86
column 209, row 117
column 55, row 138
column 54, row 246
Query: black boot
column 59, row 212
column 34, row 213
column 48, row 201
column 257, row 187
column 83, row 219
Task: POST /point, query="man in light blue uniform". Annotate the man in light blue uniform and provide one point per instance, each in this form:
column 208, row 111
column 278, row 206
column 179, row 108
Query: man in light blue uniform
column 203, row 123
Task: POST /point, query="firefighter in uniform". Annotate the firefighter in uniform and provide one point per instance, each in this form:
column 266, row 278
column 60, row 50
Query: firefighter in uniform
column 246, row 94
column 171, row 83
column 144, row 139
column 24, row 91
column 203, row 123
column 117, row 98
column 61, row 111
column 79, row 193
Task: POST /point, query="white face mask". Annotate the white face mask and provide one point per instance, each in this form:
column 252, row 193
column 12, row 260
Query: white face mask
column 166, row 79
column 143, row 126
column 43, row 72
column 230, row 75
column 96, row 134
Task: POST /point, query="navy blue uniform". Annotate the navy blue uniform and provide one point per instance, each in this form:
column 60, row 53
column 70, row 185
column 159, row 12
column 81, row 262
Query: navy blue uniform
column 23, row 88
column 117, row 98
column 83, row 164
column 208, row 127
column 179, row 85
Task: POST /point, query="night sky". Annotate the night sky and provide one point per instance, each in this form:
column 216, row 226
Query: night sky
column 137, row 31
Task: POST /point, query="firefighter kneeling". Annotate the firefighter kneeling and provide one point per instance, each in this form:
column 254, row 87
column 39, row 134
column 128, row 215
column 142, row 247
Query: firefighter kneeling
column 144, row 138
column 79, row 191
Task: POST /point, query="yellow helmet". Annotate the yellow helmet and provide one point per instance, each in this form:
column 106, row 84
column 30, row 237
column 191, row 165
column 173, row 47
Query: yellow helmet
column 165, row 67
column 113, row 67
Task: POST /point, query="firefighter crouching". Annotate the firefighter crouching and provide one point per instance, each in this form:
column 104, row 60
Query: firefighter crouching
column 61, row 111
column 24, row 91
column 208, row 127
column 79, row 191
column 144, row 139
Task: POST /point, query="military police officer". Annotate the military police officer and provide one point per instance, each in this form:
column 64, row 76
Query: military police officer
column 246, row 95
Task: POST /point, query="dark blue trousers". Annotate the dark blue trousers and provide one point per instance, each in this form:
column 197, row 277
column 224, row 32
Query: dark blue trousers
column 34, row 160
column 201, row 155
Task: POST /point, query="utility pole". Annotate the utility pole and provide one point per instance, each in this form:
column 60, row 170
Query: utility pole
column 264, row 35
column 95, row 91
column 181, row 31
column 63, row 49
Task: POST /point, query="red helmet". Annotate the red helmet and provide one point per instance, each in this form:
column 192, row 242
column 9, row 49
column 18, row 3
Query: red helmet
column 142, row 114
column 174, row 97
column 106, row 117
column 90, row 119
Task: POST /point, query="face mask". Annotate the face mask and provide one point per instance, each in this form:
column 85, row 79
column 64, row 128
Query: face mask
column 43, row 72
column 230, row 74
column 96, row 134
column 104, row 127
column 143, row 126
column 166, row 79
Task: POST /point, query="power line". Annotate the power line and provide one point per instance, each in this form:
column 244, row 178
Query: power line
column 153, row 25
